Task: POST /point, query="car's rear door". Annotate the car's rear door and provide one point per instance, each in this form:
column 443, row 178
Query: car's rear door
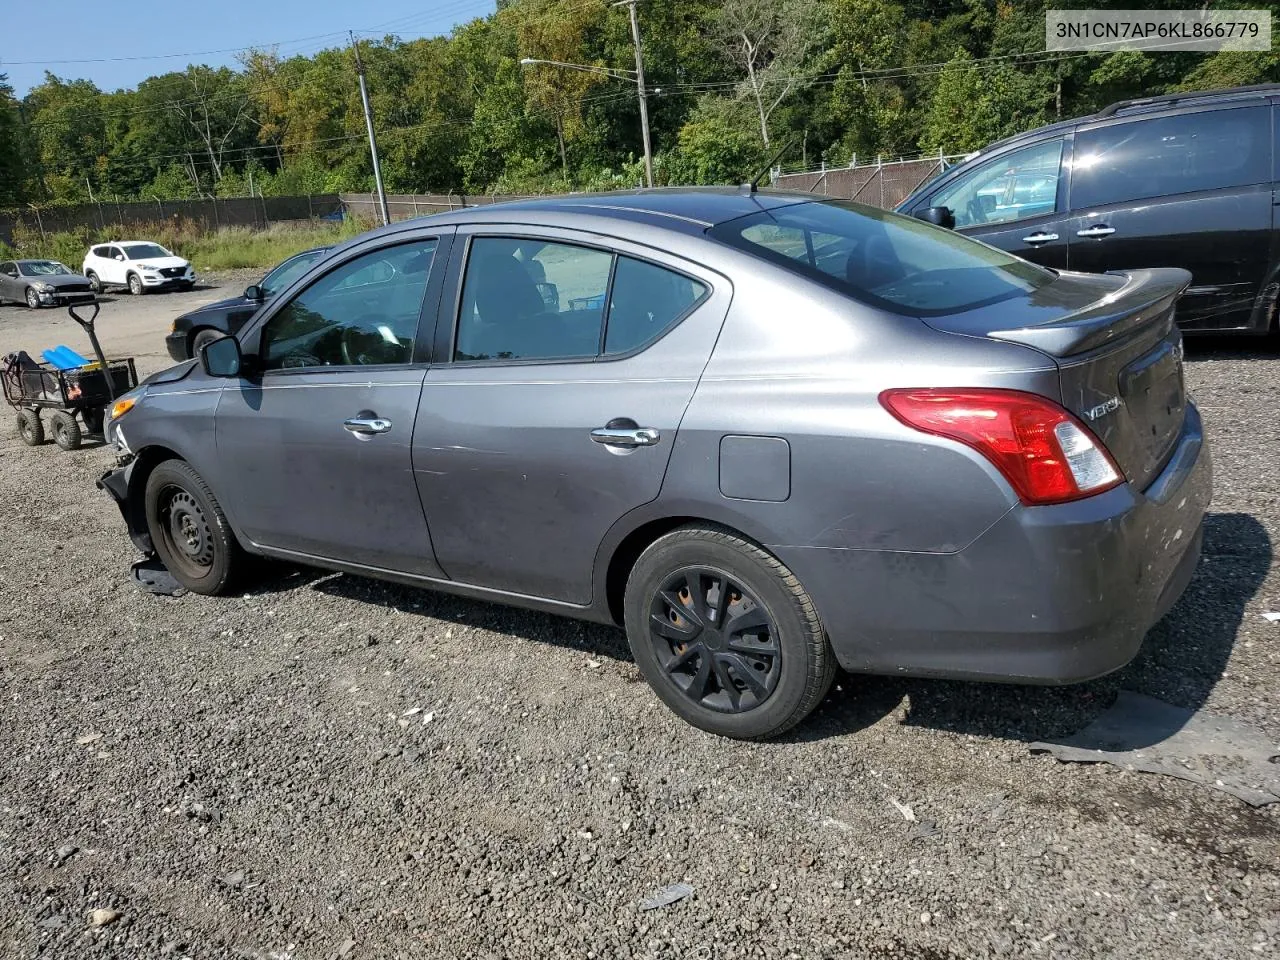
column 1190, row 190
column 1014, row 201
column 572, row 360
column 314, row 451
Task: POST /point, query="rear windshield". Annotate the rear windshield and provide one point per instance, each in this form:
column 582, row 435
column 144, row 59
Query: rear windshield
column 146, row 251
column 889, row 261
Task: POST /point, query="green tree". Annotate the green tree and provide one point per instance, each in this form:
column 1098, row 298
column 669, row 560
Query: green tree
column 13, row 148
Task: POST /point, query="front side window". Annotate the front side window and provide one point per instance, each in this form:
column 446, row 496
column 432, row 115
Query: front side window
column 1021, row 184
column 289, row 271
column 531, row 299
column 8, row 269
column 336, row 323
column 890, row 261
column 1166, row 156
column 146, row 251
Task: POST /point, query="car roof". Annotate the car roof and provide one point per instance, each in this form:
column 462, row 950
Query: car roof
column 689, row 210
column 1140, row 106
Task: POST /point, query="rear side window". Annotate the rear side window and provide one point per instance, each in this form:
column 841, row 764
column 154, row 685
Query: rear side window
column 529, row 299
column 889, row 261
column 103, row 252
column 1166, row 156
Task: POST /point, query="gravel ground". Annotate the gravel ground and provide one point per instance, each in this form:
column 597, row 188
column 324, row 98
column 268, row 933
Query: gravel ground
column 333, row 767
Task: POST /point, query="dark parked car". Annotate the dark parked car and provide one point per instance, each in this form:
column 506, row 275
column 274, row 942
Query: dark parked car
column 42, row 283
column 193, row 330
column 1184, row 180
column 766, row 434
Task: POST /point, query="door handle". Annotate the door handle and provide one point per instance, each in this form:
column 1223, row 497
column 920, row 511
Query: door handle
column 366, row 425
column 626, row 436
column 1040, row 237
column 1101, row 230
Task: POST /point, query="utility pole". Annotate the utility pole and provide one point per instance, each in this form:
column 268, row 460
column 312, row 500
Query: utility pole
column 373, row 142
column 644, row 100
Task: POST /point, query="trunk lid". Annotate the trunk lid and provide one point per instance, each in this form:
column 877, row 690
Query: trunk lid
column 1118, row 351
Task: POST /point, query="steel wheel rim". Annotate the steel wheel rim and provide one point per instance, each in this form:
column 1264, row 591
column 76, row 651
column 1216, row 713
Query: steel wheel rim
column 721, row 656
column 186, row 531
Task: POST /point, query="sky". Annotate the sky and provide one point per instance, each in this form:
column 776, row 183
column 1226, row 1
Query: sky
column 119, row 52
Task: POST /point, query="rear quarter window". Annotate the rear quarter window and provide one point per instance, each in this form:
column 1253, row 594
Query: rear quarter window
column 883, row 259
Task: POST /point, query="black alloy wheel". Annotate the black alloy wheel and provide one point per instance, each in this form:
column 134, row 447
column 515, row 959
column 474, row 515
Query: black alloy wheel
column 715, row 640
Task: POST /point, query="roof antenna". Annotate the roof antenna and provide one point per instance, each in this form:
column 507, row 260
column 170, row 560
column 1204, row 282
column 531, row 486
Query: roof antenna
column 751, row 187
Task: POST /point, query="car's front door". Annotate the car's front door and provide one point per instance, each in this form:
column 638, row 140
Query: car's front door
column 1190, row 190
column 571, row 365
column 314, row 449
column 1015, row 201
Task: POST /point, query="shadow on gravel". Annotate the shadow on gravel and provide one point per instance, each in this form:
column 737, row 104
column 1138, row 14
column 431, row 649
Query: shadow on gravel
column 591, row 638
column 1181, row 660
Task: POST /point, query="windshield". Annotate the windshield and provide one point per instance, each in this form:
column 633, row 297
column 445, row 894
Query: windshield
column 42, row 268
column 289, row 271
column 146, row 251
column 890, row 261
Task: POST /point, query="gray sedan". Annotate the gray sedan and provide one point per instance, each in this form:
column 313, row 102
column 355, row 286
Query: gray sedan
column 766, row 434
column 42, row 283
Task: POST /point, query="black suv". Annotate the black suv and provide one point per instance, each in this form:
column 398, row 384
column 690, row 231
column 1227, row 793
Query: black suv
column 1184, row 180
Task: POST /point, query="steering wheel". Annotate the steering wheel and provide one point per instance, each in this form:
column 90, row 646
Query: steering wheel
column 361, row 346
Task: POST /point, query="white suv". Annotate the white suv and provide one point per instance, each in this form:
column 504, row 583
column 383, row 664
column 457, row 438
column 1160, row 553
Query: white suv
column 137, row 264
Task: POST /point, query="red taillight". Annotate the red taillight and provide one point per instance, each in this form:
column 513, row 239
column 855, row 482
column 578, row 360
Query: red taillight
column 1046, row 454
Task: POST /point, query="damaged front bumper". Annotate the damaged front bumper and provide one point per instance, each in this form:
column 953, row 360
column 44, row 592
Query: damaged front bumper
column 149, row 572
column 118, row 483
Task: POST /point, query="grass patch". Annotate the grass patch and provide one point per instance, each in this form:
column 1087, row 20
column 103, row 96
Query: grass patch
column 229, row 248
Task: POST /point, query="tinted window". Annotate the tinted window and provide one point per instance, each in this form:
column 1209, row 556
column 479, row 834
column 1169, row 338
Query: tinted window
column 884, row 259
column 645, row 301
column 103, row 252
column 1170, row 155
column 1018, row 185
column 114, row 253
column 530, row 299
column 8, row 269
column 146, row 251
column 289, row 271
column 335, row 322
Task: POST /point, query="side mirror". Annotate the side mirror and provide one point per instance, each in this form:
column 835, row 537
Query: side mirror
column 253, row 293
column 221, row 357
column 120, row 257
column 938, row 216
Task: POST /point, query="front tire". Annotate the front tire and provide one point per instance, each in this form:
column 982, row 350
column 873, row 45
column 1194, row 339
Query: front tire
column 135, row 285
column 725, row 634
column 66, row 432
column 203, row 339
column 33, row 298
column 30, row 428
column 189, row 530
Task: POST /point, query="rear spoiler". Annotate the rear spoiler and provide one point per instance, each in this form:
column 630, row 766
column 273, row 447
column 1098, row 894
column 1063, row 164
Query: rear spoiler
column 1145, row 297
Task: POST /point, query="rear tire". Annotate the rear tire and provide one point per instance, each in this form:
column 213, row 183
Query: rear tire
column 135, row 285
column 725, row 634
column 94, row 283
column 66, row 432
column 189, row 530
column 30, row 428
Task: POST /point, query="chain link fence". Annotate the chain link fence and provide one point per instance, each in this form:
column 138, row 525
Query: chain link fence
column 880, row 184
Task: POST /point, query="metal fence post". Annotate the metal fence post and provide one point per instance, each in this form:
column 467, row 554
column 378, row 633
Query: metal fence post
column 880, row 174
